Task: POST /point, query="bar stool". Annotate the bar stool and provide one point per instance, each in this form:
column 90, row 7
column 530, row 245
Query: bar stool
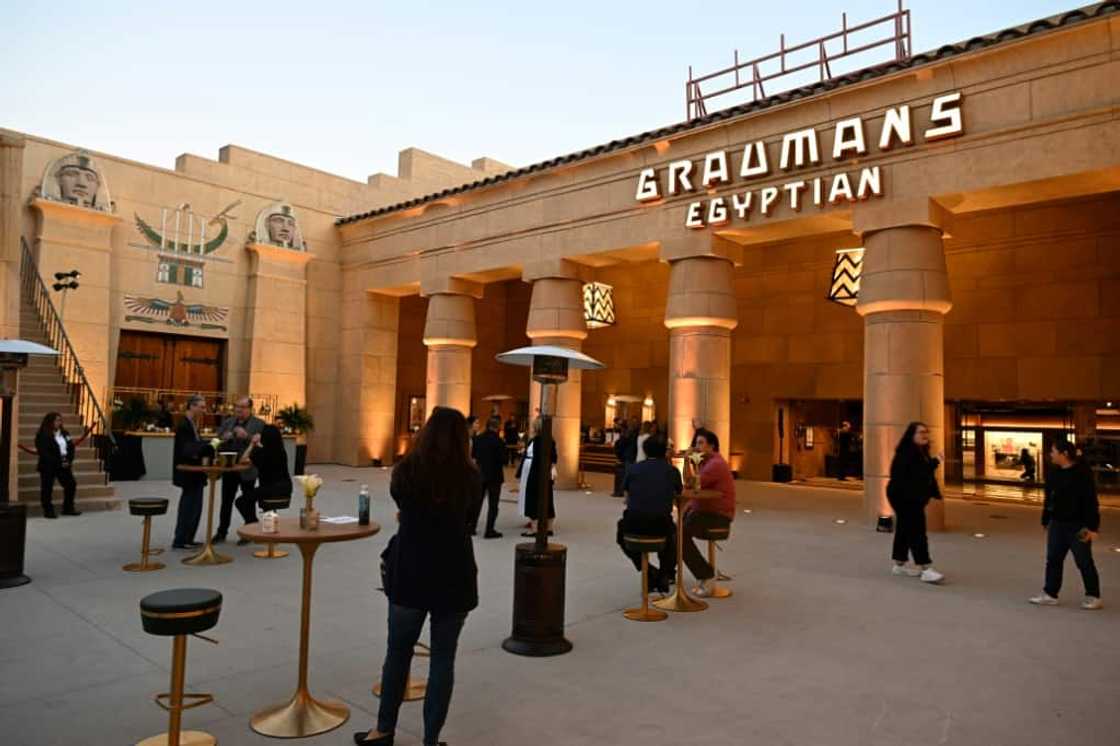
column 645, row 545
column 712, row 535
column 273, row 503
column 147, row 507
column 178, row 613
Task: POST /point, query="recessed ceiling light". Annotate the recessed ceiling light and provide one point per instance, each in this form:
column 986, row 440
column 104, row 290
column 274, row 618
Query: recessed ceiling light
column 840, row 521
column 1116, row 549
column 746, row 510
column 587, row 492
column 979, row 535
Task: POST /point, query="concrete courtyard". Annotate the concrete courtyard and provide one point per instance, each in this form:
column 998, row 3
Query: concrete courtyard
column 820, row 645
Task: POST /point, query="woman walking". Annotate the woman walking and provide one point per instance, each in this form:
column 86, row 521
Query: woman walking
column 1071, row 516
column 527, row 498
column 912, row 485
column 266, row 453
column 56, row 449
column 429, row 568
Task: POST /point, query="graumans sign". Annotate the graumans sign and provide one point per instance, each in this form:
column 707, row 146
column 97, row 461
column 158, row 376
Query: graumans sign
column 798, row 150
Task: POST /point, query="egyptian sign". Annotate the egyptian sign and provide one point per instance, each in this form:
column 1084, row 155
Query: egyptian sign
column 796, row 150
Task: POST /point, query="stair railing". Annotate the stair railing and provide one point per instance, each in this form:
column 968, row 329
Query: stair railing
column 81, row 393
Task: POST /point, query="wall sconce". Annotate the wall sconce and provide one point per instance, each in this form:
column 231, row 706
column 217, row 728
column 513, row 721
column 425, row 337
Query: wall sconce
column 598, row 305
column 844, row 288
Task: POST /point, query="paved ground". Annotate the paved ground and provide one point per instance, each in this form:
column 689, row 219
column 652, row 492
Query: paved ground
column 819, row 644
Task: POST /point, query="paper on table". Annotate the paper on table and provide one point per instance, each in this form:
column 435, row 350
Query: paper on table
column 340, row 519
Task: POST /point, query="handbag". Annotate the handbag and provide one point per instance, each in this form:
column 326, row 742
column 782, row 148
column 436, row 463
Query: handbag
column 389, row 566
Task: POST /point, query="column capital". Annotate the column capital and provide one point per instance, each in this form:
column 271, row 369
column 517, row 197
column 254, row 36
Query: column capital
column 447, row 285
column 450, row 321
column 904, row 270
column 554, row 269
column 556, row 309
column 869, row 217
column 701, row 293
column 694, row 245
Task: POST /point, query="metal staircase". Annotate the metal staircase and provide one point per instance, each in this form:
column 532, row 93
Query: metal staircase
column 58, row 385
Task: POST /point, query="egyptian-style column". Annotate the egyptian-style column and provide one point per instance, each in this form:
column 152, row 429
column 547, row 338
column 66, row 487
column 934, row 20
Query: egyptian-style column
column 700, row 314
column 11, row 202
column 556, row 318
column 903, row 298
column 450, row 336
column 277, row 322
column 73, row 237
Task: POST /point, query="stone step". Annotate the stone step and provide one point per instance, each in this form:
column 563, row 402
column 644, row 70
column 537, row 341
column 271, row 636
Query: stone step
column 91, row 477
column 86, row 463
column 40, row 385
column 39, row 399
column 83, row 502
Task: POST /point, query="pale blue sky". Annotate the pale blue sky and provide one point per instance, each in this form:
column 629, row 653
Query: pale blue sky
column 342, row 86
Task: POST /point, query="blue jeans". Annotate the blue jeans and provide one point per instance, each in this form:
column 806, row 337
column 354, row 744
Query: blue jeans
column 189, row 513
column 404, row 630
column 1061, row 538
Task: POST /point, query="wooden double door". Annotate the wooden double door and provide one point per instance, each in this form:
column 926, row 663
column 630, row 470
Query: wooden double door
column 169, row 361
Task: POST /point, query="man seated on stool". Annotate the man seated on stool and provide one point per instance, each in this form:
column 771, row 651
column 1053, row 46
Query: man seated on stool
column 701, row 515
column 650, row 486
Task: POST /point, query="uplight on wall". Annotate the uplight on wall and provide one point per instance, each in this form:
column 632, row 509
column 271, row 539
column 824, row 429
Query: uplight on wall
column 844, row 288
column 598, row 305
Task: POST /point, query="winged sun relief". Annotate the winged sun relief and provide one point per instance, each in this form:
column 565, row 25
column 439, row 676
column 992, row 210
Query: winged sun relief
column 176, row 313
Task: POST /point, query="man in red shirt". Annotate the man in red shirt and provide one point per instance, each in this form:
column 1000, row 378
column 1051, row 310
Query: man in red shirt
column 700, row 515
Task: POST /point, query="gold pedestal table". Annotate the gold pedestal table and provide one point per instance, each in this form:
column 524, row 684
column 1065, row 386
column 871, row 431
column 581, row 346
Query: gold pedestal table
column 680, row 600
column 208, row 556
column 303, row 715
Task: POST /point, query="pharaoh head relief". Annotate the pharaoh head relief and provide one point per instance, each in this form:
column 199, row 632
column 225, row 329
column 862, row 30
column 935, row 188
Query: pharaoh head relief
column 277, row 225
column 76, row 179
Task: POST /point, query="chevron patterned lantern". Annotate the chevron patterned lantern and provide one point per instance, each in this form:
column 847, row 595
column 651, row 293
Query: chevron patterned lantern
column 845, row 277
column 598, row 305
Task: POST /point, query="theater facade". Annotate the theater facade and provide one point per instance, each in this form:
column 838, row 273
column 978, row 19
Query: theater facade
column 937, row 238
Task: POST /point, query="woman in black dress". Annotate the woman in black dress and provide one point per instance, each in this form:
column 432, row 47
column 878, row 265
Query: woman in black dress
column 528, row 483
column 266, row 453
column 912, row 485
column 429, row 568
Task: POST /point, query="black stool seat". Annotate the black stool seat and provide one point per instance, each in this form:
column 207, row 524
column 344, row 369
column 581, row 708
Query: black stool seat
column 147, row 505
column 182, row 611
column 714, row 534
column 643, row 544
column 276, row 503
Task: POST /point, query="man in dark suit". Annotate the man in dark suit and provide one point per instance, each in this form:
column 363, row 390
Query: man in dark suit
column 488, row 451
column 189, row 449
column 235, row 433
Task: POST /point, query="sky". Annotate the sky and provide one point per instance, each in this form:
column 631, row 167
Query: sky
column 344, row 86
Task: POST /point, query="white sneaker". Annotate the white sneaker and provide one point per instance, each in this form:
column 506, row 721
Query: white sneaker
column 1092, row 603
column 704, row 589
column 907, row 570
column 1044, row 599
column 929, row 575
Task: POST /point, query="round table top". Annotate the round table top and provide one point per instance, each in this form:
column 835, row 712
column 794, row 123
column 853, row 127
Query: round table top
column 289, row 532
column 212, row 468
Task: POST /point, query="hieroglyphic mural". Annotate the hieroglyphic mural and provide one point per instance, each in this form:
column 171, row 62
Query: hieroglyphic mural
column 176, row 313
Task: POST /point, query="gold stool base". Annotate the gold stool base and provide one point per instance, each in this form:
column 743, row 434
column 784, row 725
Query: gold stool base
column 186, row 738
column 142, row 566
column 645, row 615
column 270, row 553
column 680, row 601
column 208, row 557
column 414, row 690
column 720, row 592
column 301, row 716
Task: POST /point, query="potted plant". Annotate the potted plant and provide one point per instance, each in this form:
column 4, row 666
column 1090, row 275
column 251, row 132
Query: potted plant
column 297, row 420
column 131, row 414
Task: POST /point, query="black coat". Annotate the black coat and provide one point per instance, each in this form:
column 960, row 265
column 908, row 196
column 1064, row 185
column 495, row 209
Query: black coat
column 1071, row 497
column 272, row 470
column 531, row 502
column 50, row 458
column 189, row 449
column 433, row 566
column 913, row 479
column 489, row 452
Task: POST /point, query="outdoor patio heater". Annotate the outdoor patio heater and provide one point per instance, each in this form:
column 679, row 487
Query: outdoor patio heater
column 539, row 566
column 13, row 516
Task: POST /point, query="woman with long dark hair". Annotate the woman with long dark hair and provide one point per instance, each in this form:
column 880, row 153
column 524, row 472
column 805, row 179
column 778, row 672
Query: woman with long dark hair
column 266, row 453
column 429, row 568
column 912, row 485
column 527, row 475
column 56, row 450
